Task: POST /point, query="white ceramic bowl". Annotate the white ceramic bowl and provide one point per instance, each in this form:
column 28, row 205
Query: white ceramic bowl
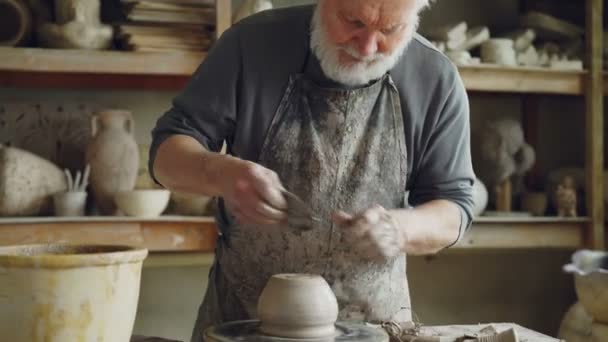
column 189, row 204
column 142, row 203
column 297, row 306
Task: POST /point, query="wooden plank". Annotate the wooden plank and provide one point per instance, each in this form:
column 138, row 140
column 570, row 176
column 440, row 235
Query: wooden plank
column 493, row 233
column 156, row 236
column 488, row 78
column 594, row 124
column 47, row 80
column 224, row 16
column 99, row 62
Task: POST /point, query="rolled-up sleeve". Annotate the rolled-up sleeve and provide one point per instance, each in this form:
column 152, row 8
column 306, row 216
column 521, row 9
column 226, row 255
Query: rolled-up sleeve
column 445, row 170
column 206, row 108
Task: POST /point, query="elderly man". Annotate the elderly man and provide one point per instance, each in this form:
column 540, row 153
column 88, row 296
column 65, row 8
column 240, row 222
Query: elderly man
column 344, row 105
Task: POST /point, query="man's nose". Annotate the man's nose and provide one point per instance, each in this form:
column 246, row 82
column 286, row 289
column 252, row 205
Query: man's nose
column 368, row 44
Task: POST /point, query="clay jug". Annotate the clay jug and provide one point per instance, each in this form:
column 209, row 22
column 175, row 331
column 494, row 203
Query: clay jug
column 113, row 156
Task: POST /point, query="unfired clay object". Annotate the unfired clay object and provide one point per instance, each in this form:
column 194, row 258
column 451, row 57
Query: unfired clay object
column 500, row 153
column 27, row 183
column 576, row 324
column 590, row 269
column 114, row 157
column 78, row 26
column 60, row 293
column 480, row 197
column 566, row 197
column 297, row 306
column 499, row 51
column 599, row 332
column 16, row 23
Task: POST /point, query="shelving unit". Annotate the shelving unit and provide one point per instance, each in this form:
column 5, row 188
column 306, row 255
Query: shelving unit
column 28, row 67
column 32, row 68
column 198, row 234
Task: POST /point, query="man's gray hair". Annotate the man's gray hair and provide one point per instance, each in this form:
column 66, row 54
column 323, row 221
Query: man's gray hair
column 420, row 4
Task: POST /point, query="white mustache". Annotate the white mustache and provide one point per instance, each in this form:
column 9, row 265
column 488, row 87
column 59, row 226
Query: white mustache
column 376, row 57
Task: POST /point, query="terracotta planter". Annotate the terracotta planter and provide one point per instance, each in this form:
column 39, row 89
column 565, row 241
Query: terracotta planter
column 114, row 157
column 60, row 293
column 27, row 183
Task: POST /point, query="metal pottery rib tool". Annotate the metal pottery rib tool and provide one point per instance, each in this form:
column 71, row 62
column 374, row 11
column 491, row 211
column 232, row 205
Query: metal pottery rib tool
column 299, row 214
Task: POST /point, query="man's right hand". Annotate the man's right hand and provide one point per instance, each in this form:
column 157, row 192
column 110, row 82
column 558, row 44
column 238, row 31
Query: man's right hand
column 253, row 193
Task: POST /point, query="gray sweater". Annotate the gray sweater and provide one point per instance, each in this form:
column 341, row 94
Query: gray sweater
column 235, row 92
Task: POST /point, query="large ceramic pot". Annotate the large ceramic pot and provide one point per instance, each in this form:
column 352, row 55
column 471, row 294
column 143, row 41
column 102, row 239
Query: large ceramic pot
column 114, row 157
column 60, row 293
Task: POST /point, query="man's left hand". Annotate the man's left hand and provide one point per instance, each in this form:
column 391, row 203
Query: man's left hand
column 374, row 233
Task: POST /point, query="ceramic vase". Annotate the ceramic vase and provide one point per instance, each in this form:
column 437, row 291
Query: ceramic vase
column 61, row 293
column 297, row 306
column 17, row 13
column 113, row 156
column 27, row 183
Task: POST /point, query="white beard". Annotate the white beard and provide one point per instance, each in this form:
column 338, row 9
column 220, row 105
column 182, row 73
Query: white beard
column 355, row 74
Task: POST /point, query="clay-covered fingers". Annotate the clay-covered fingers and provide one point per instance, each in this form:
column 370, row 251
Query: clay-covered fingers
column 252, row 208
column 268, row 186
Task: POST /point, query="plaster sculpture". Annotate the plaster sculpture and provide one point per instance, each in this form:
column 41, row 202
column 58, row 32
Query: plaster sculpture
column 474, row 38
column 565, row 197
column 500, row 154
column 78, row 26
column 499, row 51
column 522, row 39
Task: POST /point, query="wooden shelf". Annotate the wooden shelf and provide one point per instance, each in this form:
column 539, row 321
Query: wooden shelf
column 513, row 233
column 198, row 234
column 163, row 234
column 34, row 67
column 53, row 68
column 487, row 78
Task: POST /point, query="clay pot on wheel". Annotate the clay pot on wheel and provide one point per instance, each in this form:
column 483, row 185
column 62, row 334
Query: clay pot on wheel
column 114, row 157
column 297, row 306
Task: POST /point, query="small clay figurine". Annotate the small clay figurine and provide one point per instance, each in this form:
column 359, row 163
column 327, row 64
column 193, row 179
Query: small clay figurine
column 566, row 197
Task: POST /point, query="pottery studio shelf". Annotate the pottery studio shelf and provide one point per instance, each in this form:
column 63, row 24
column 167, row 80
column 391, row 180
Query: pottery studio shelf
column 198, row 234
column 35, row 67
column 526, row 232
column 161, row 234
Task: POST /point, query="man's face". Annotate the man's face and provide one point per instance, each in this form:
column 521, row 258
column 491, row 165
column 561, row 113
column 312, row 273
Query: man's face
column 359, row 40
